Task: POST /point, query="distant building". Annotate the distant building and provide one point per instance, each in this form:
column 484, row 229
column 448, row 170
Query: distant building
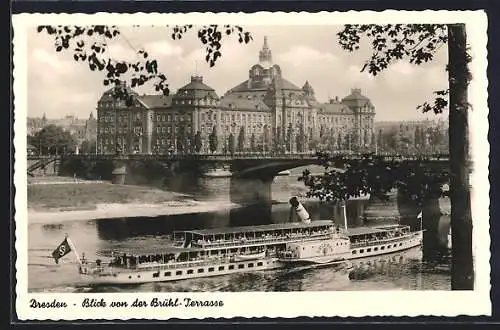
column 264, row 112
column 81, row 129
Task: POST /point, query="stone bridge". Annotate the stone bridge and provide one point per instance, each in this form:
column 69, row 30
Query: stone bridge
column 250, row 175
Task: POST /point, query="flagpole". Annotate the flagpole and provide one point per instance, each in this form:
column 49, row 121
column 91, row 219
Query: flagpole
column 70, row 242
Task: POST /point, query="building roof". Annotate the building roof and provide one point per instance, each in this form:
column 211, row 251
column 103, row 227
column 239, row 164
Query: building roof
column 196, row 84
column 333, row 107
column 355, row 98
column 108, row 95
column 281, row 83
column 196, row 89
column 155, row 101
column 248, row 103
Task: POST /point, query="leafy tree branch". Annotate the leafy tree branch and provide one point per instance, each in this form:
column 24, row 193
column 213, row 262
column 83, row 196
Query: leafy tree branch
column 90, row 44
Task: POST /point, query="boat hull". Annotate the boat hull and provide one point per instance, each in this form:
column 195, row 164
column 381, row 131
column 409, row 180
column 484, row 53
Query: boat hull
column 164, row 274
column 387, row 246
column 167, row 273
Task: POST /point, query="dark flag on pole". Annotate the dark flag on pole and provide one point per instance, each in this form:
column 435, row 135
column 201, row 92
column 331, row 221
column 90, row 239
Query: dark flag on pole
column 63, row 249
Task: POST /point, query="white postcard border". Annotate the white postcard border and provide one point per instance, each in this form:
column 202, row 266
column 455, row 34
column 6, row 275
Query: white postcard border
column 269, row 304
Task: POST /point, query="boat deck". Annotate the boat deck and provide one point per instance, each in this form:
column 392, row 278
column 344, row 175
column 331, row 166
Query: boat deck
column 259, row 228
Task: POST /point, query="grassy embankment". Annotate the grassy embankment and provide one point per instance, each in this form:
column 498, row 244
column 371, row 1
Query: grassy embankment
column 74, row 196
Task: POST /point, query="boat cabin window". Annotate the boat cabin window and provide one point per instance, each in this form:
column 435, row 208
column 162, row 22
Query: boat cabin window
column 156, row 274
column 361, row 251
column 368, row 250
column 250, row 265
column 354, row 251
column 201, row 270
column 221, row 268
column 382, row 247
column 179, row 272
column 375, row 249
column 211, row 269
column 240, row 266
column 231, row 267
column 190, row 271
column 259, row 263
column 168, row 273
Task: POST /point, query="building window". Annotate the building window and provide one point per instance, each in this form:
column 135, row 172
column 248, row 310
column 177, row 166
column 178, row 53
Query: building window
column 176, row 118
column 169, row 129
column 158, row 129
column 163, row 141
column 163, row 129
column 158, row 118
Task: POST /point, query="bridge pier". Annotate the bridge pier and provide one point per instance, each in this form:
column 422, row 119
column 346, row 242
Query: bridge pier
column 119, row 173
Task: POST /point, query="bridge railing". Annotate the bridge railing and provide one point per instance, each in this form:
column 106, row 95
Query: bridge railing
column 246, row 156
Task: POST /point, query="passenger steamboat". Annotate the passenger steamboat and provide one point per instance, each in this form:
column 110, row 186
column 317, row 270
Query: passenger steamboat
column 211, row 252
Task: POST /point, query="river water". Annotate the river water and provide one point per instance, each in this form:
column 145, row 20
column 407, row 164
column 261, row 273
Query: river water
column 415, row 269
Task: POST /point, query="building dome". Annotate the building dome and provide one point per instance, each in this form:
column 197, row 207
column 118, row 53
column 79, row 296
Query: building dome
column 196, row 89
column 356, row 100
column 308, row 90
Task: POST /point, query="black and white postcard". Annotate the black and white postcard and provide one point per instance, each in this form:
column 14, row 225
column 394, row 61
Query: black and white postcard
column 210, row 165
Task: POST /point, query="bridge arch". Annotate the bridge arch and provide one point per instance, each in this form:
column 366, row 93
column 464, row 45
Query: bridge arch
column 268, row 170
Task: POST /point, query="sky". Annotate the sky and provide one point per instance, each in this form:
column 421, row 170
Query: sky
column 59, row 86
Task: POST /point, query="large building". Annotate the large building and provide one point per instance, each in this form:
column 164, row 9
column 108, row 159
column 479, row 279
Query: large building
column 263, row 113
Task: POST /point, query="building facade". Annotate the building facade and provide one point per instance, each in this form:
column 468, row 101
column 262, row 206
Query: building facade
column 265, row 112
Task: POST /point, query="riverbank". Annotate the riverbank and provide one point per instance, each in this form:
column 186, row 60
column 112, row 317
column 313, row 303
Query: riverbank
column 110, row 211
column 69, row 201
column 75, row 196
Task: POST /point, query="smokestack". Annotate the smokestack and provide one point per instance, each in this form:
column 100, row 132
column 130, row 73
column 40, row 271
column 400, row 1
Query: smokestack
column 300, row 210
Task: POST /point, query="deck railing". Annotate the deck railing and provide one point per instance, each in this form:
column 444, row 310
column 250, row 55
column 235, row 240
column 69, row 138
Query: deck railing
column 259, row 240
column 380, row 241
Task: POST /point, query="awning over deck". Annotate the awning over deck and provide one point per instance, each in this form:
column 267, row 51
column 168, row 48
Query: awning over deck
column 259, row 228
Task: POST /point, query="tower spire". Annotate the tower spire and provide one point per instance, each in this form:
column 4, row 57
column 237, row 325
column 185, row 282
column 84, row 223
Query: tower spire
column 265, row 54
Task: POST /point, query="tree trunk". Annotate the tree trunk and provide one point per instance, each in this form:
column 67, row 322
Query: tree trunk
column 462, row 270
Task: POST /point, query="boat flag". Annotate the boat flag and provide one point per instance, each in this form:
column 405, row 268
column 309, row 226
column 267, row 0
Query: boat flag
column 63, row 249
column 419, row 216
